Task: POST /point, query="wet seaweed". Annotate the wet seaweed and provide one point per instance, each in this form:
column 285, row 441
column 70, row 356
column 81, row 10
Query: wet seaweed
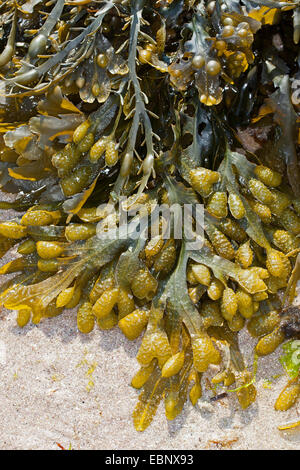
column 164, row 103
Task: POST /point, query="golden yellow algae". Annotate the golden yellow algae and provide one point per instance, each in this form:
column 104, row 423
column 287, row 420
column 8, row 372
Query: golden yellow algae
column 153, row 185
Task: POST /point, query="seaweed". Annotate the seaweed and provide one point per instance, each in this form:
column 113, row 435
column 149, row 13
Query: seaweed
column 145, row 193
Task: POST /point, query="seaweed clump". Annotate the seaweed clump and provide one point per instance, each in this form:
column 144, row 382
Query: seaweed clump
column 165, row 103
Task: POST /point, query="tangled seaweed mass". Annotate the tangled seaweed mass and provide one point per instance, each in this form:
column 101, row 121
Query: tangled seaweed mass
column 162, row 102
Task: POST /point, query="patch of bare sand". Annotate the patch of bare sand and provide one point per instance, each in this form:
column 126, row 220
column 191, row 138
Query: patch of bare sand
column 58, row 386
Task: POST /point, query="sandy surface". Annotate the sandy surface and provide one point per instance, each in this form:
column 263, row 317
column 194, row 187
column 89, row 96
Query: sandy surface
column 58, row 386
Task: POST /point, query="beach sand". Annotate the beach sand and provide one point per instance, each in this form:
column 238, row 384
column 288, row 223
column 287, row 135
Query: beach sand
column 58, row 386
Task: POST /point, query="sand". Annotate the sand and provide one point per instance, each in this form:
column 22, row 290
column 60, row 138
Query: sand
column 58, row 386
